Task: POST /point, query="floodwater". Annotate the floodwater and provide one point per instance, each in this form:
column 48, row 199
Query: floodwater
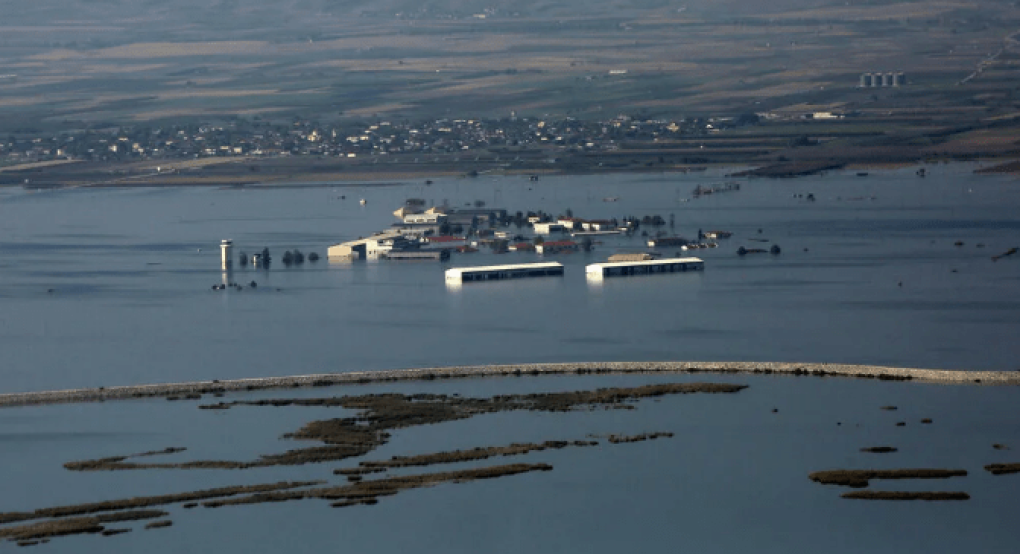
column 131, row 274
column 113, row 287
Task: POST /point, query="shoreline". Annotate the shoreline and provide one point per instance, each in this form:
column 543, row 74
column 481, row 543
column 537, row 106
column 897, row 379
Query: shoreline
column 365, row 177
column 192, row 388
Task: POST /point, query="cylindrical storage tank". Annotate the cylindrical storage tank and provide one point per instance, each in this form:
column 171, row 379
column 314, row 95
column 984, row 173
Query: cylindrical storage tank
column 899, row 79
column 876, row 79
column 226, row 253
column 865, row 80
column 887, row 79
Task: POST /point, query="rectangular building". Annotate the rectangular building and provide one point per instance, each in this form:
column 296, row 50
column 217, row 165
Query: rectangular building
column 496, row 272
column 644, row 267
column 556, row 246
column 548, row 228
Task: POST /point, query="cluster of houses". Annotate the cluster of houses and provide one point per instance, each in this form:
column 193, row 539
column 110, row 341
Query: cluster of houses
column 435, row 232
column 467, row 138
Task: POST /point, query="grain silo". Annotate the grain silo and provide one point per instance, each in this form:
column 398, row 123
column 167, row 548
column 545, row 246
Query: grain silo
column 887, row 79
column 226, row 254
column 899, row 79
column 865, row 80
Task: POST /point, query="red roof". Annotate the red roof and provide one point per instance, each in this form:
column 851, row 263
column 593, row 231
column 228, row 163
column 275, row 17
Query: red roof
column 559, row 243
column 446, row 239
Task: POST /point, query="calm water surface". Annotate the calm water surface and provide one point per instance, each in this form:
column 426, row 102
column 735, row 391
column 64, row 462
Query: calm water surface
column 859, row 281
column 131, row 272
column 733, row 479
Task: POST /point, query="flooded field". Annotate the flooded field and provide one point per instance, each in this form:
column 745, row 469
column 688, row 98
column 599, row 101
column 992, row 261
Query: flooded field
column 107, row 287
column 113, row 287
column 636, row 465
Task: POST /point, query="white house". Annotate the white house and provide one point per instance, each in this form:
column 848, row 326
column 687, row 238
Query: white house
column 426, row 218
column 569, row 223
column 547, row 228
column 598, row 225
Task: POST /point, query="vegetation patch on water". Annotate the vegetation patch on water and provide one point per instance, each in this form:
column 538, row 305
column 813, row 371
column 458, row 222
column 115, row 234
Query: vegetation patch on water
column 377, row 415
column 879, row 449
column 364, row 491
column 74, row 525
column 620, row 439
column 380, row 414
column 1002, row 469
column 458, row 456
column 143, row 502
column 858, row 478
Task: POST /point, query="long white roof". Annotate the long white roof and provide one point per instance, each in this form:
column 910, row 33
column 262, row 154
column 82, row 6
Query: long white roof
column 484, row 268
column 662, row 261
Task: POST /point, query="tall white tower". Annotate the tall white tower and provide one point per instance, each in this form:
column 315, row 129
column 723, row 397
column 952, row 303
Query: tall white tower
column 226, row 254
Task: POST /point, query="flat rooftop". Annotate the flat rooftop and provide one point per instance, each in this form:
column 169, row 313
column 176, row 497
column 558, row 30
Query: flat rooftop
column 636, row 263
column 484, row 268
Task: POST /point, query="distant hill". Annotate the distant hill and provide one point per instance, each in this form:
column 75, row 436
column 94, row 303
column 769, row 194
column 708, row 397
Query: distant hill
column 95, row 62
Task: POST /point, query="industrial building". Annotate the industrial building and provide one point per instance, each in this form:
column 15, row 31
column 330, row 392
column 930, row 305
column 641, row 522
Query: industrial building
column 569, row 223
column 496, row 272
column 430, row 254
column 473, row 217
column 548, row 228
column 667, row 241
column 644, row 267
column 425, row 218
column 556, row 246
column 882, row 80
column 631, row 257
column 358, row 249
column 598, row 225
column 416, row 229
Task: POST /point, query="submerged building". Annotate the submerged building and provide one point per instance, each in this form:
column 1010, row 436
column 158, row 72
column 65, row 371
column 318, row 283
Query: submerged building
column 497, row 272
column 644, row 267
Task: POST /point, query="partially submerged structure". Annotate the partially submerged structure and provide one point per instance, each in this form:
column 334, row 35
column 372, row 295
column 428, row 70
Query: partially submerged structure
column 644, row 267
column 496, row 272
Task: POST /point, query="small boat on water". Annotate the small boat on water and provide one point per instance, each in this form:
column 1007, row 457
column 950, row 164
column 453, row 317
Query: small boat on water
column 363, row 202
column 611, row 199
